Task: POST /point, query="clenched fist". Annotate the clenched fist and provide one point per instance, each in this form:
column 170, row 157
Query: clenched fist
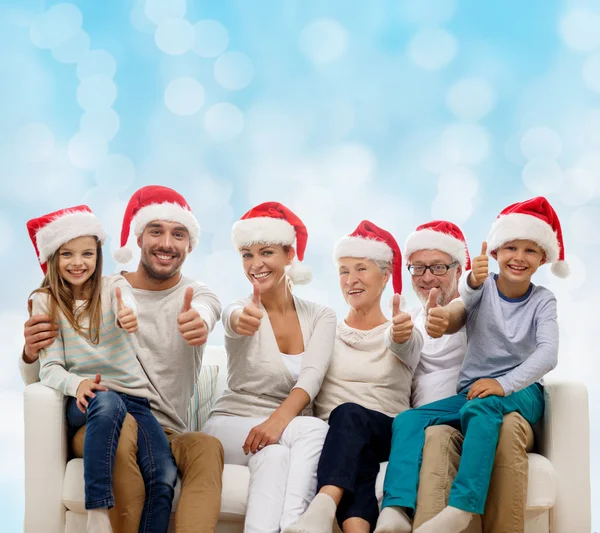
column 191, row 325
column 125, row 315
column 437, row 317
column 402, row 324
column 248, row 321
column 479, row 269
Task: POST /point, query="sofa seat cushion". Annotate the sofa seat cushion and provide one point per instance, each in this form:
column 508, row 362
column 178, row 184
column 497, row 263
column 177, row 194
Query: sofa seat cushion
column 541, row 493
column 542, row 487
column 233, row 499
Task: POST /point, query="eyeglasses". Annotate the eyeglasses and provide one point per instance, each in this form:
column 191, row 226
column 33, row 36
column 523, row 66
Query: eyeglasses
column 436, row 270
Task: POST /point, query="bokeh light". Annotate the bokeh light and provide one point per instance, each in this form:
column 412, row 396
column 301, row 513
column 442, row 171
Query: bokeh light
column 432, row 48
column 174, row 36
column 210, row 38
column 184, row 96
column 323, row 41
column 234, row 70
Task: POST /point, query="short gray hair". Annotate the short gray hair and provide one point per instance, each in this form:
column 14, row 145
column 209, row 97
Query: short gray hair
column 383, row 266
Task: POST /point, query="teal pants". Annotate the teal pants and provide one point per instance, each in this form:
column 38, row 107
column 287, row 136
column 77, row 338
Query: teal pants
column 479, row 420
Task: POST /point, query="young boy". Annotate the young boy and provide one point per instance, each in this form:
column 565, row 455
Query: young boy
column 512, row 342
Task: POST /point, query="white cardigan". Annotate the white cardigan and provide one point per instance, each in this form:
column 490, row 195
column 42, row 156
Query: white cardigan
column 258, row 380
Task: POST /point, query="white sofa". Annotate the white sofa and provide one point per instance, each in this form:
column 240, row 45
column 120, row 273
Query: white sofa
column 558, row 499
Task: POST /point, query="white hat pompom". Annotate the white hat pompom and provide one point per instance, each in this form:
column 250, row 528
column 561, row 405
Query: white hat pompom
column 123, row 255
column 299, row 273
column 560, row 269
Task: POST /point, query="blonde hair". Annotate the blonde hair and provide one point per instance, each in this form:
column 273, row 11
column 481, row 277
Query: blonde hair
column 62, row 300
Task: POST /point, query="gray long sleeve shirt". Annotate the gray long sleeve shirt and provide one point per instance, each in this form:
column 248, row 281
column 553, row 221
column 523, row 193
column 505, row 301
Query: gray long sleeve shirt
column 513, row 340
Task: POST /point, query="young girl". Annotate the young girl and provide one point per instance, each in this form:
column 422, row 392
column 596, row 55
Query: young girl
column 94, row 317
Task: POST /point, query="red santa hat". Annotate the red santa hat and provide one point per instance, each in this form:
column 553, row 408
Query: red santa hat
column 155, row 202
column 533, row 220
column 49, row 232
column 439, row 235
column 273, row 223
column 372, row 242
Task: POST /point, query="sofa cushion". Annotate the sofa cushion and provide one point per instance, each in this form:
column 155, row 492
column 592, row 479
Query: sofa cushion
column 202, row 397
column 233, row 498
column 543, row 483
column 541, row 494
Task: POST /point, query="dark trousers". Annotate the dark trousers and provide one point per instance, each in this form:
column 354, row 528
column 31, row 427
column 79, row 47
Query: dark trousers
column 358, row 440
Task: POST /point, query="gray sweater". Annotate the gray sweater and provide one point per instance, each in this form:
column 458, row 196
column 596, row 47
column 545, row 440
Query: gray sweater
column 513, row 340
column 170, row 364
column 258, row 380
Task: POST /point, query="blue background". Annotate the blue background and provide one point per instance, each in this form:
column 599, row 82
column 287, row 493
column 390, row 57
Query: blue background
column 396, row 111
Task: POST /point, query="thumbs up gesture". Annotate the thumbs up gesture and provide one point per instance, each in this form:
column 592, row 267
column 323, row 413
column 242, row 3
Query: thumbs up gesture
column 402, row 325
column 248, row 321
column 125, row 315
column 191, row 325
column 479, row 269
column 438, row 317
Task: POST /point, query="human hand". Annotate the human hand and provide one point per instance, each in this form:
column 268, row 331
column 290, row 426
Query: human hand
column 437, row 316
column 125, row 315
column 485, row 387
column 39, row 333
column 248, row 321
column 191, row 325
column 269, row 432
column 479, row 268
column 86, row 390
column 402, row 325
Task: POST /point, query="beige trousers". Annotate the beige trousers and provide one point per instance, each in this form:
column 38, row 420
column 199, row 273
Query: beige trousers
column 199, row 459
column 505, row 505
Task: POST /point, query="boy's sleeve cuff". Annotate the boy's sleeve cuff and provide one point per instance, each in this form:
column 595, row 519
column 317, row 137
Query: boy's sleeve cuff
column 506, row 386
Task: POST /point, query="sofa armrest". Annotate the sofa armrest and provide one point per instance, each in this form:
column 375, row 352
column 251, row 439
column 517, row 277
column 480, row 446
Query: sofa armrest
column 566, row 443
column 45, row 459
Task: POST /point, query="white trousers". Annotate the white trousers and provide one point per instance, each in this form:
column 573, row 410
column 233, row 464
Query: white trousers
column 283, row 476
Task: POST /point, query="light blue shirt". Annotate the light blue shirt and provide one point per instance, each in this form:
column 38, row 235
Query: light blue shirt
column 513, row 340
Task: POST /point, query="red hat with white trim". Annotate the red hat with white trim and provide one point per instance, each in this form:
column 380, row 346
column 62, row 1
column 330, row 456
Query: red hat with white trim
column 49, row 232
column 439, row 235
column 155, row 202
column 533, row 220
column 372, row 242
column 273, row 223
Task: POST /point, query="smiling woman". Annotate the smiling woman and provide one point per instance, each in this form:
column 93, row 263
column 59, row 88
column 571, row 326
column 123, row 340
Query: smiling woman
column 278, row 349
column 367, row 384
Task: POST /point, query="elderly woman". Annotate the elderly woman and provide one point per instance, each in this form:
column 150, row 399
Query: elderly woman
column 367, row 385
column 278, row 350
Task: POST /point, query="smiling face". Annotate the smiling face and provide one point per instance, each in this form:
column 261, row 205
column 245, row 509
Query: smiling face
column 518, row 260
column 164, row 247
column 448, row 283
column 362, row 282
column 77, row 262
column 265, row 264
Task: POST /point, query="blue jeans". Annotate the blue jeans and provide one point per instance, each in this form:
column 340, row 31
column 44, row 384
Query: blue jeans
column 104, row 419
column 480, row 420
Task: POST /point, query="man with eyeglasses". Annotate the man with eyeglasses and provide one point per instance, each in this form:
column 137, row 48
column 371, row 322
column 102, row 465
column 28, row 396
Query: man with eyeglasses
column 437, row 255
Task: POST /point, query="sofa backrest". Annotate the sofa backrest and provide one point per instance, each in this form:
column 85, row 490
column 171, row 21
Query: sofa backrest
column 216, row 355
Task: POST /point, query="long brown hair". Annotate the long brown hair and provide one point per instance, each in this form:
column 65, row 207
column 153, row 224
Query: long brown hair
column 62, row 300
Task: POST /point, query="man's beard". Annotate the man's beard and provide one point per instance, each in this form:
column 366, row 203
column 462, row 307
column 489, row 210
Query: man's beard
column 159, row 276
column 445, row 297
